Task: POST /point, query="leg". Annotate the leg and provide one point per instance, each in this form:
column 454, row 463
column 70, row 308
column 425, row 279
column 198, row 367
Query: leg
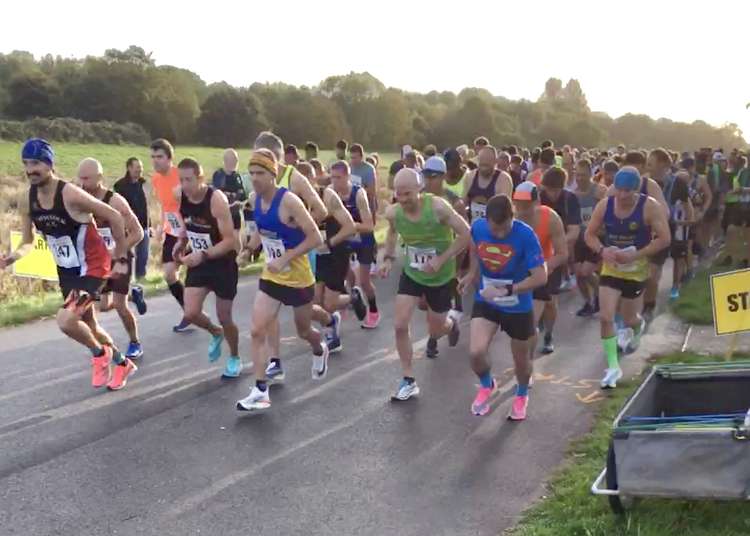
column 652, row 287
column 265, row 319
column 403, row 311
column 539, row 307
column 482, row 332
column 141, row 257
column 438, row 324
column 231, row 333
column 583, row 282
column 89, row 318
column 194, row 298
column 365, row 281
column 609, row 299
column 106, row 303
column 521, row 351
column 126, row 315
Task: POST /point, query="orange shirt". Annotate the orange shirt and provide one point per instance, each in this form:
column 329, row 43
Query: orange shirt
column 536, row 176
column 164, row 185
column 542, row 231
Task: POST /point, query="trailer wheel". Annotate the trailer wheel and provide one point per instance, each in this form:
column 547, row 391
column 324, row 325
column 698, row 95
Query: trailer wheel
column 618, row 503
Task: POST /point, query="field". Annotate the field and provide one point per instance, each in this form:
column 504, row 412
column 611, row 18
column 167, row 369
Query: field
column 24, row 298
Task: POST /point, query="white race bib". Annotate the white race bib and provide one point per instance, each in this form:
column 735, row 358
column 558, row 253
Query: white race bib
column 505, row 301
column 630, row 266
column 63, row 251
column 356, row 180
column 106, row 234
column 419, row 257
column 478, row 210
column 174, row 220
column 199, row 241
column 273, row 248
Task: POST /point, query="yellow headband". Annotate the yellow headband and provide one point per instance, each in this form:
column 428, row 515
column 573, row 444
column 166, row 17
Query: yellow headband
column 269, row 164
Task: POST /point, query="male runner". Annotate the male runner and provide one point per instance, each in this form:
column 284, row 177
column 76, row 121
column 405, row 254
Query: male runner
column 64, row 214
column 546, row 161
column 634, row 228
column 114, row 295
column 207, row 246
column 287, row 232
column 165, row 179
column 427, row 225
column 486, row 182
column 456, row 173
column 587, row 261
column 506, row 253
column 549, row 229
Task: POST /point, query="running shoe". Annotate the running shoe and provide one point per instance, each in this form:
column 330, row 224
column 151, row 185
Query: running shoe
column 674, row 294
column 586, row 311
column 568, row 284
column 371, row 321
column 274, row 372
column 405, row 391
column 548, row 347
column 611, row 375
column 320, row 363
column 136, row 296
column 101, row 371
column 358, row 303
column 233, row 367
column 518, row 409
column 182, row 327
column 134, row 351
column 455, row 313
column 120, row 375
column 214, row 347
column 455, row 331
column 481, row 404
column 624, row 338
column 431, row 350
column 335, row 326
column 635, row 341
column 334, row 344
column 257, row 400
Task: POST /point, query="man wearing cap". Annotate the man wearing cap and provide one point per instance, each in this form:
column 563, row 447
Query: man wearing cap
column 64, row 214
column 433, row 234
column 634, row 228
column 549, row 229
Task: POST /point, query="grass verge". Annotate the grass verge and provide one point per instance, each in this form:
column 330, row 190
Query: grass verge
column 570, row 510
column 694, row 304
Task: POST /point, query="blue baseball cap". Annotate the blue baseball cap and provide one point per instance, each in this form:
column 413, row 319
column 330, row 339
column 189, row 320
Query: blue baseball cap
column 627, row 178
column 38, row 149
column 434, row 166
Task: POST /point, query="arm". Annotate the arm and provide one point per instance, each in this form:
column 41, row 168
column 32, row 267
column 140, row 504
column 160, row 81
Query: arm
column 366, row 225
column 472, row 274
column 337, row 209
column 447, row 216
column 80, row 201
column 299, row 214
column 559, row 242
column 254, row 241
column 655, row 191
column 220, row 211
column 591, row 236
column 537, row 278
column 27, row 230
column 133, row 229
column 504, row 184
column 300, row 186
column 391, row 239
column 574, row 217
column 654, row 217
column 706, row 192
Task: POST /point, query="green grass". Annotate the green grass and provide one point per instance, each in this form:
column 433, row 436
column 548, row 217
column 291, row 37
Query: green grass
column 570, row 509
column 694, row 304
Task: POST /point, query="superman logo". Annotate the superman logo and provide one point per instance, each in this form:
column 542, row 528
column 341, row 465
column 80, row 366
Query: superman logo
column 495, row 256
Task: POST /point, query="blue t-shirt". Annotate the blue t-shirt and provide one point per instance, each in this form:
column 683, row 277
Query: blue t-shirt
column 503, row 261
column 363, row 175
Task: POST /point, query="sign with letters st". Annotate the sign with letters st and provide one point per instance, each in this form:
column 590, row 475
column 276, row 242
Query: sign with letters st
column 730, row 297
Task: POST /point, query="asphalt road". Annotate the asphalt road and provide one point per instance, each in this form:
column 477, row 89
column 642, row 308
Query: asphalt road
column 169, row 455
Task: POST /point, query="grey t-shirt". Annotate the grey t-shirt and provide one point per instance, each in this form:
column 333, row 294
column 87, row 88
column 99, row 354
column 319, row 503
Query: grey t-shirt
column 363, row 175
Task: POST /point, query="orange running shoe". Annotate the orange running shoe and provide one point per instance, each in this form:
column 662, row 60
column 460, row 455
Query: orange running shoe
column 101, row 371
column 120, row 375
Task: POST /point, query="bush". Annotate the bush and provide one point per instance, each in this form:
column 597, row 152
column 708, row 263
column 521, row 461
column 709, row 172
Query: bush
column 67, row 129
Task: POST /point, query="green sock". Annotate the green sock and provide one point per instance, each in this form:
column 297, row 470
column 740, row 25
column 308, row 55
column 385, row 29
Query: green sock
column 610, row 351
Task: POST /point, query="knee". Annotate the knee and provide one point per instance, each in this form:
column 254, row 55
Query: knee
column 401, row 326
column 477, row 354
column 191, row 313
column 225, row 318
column 330, row 303
column 258, row 331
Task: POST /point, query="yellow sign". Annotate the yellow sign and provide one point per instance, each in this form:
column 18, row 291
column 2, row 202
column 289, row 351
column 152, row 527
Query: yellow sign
column 730, row 297
column 39, row 263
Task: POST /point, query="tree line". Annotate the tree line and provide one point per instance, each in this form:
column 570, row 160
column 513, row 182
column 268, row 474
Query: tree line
column 127, row 87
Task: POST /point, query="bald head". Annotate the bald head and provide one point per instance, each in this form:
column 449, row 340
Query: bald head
column 406, row 179
column 269, row 140
column 231, row 160
column 90, row 174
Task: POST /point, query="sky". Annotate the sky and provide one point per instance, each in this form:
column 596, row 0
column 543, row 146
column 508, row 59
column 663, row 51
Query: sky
column 664, row 58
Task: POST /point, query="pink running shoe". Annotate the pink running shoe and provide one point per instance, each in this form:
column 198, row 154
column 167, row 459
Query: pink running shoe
column 371, row 321
column 518, row 410
column 120, row 375
column 101, row 372
column 481, row 404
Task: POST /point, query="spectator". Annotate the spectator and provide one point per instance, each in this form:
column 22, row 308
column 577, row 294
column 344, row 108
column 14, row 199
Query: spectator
column 133, row 188
column 228, row 180
column 311, row 151
column 291, row 155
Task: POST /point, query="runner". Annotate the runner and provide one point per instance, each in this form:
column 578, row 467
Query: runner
column 456, row 172
column 738, row 215
column 165, row 179
column 683, row 217
column 207, row 246
column 427, row 225
column 83, row 263
column 287, row 231
column 485, row 183
column 701, row 197
column 506, row 253
column 546, row 161
column 587, row 261
column 634, row 228
column 114, row 295
column 550, row 231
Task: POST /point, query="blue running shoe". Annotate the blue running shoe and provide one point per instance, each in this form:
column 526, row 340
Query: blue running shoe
column 136, row 295
column 674, row 294
column 274, row 372
column 214, row 347
column 233, row 368
column 135, row 351
column 182, row 327
column 334, row 344
column 405, row 391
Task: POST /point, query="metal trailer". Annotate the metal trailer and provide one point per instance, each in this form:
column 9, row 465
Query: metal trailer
column 682, row 435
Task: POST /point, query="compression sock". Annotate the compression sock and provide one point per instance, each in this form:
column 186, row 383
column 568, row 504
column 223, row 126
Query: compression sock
column 261, row 385
column 178, row 291
column 486, row 380
column 610, row 351
column 522, row 389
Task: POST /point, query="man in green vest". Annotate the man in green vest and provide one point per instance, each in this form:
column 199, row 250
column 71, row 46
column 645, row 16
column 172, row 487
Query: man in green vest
column 427, row 225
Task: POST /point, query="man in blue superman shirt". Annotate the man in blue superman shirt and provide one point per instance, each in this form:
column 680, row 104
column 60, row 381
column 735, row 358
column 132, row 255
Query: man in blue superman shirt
column 506, row 253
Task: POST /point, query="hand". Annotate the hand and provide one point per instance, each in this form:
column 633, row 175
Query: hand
column 276, row 265
column 385, row 268
column 609, row 254
column 120, row 269
column 6, row 261
column 433, row 266
column 177, row 252
column 489, row 293
column 464, row 283
column 192, row 260
column 625, row 256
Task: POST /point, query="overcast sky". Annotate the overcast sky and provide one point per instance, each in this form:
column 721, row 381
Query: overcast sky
column 683, row 60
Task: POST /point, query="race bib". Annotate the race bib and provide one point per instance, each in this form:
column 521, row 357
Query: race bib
column 273, row 248
column 505, row 301
column 586, row 213
column 630, row 266
column 199, row 241
column 174, row 221
column 356, row 180
column 419, row 257
column 106, row 234
column 63, row 251
column 478, row 210
column 323, row 248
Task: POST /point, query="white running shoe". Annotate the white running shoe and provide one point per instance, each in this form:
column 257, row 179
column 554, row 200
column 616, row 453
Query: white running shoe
column 257, row 400
column 320, row 363
column 611, row 375
column 624, row 338
column 405, row 391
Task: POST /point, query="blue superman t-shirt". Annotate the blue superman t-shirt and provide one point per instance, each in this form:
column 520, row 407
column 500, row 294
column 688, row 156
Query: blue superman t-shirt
column 503, row 261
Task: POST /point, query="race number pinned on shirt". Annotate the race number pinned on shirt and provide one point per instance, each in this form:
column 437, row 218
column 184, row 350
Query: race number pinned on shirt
column 106, row 234
column 478, row 210
column 420, row 257
column 504, row 301
column 63, row 251
column 629, row 266
column 174, row 221
column 273, row 248
column 199, row 241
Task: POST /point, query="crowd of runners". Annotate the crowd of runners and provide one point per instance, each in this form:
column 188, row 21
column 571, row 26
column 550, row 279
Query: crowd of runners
column 511, row 228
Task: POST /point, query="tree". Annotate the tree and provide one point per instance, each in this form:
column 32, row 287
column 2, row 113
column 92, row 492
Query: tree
column 32, row 94
column 230, row 118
